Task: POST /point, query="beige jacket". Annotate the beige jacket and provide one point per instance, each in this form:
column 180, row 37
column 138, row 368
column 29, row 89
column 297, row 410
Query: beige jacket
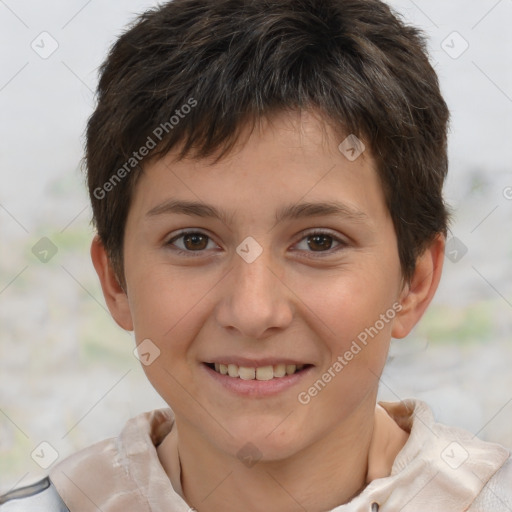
column 440, row 469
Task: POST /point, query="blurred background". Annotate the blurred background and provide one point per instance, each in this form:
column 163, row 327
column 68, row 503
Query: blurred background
column 68, row 376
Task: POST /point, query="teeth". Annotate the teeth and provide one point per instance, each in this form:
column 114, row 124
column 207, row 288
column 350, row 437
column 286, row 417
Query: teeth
column 264, row 373
column 261, row 373
column 290, row 369
column 246, row 373
column 279, row 370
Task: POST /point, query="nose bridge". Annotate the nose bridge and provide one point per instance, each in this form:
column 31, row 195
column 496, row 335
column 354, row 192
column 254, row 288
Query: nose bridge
column 254, row 279
column 254, row 299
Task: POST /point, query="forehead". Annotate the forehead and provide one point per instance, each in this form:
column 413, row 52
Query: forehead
column 290, row 158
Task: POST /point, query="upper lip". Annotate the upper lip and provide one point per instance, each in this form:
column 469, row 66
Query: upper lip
column 254, row 363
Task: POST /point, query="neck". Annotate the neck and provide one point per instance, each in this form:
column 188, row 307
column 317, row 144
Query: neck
column 308, row 478
column 326, row 474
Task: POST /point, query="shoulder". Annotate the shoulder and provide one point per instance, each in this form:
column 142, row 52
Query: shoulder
column 117, row 474
column 34, row 498
column 120, row 473
column 469, row 474
column 497, row 494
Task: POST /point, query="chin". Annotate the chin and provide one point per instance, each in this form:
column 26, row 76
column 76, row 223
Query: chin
column 264, row 440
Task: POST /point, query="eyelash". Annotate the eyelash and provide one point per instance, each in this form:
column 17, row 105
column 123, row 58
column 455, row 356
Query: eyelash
column 303, row 235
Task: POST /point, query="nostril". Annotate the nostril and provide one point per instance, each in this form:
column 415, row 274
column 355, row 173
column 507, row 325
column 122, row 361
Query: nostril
column 375, row 507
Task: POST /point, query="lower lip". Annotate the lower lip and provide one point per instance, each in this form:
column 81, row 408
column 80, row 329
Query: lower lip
column 257, row 388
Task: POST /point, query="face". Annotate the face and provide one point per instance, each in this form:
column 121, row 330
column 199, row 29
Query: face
column 280, row 259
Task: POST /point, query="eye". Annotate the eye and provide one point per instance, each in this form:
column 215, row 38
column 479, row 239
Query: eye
column 190, row 241
column 320, row 242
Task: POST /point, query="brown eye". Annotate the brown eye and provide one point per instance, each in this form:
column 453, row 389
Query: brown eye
column 320, row 242
column 195, row 241
column 189, row 242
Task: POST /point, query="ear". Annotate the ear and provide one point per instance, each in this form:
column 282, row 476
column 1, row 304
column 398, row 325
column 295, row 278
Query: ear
column 417, row 295
column 115, row 297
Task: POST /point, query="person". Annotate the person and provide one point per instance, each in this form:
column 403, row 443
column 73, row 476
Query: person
column 266, row 182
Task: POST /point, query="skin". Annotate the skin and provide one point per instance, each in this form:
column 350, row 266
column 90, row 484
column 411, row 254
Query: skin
column 300, row 301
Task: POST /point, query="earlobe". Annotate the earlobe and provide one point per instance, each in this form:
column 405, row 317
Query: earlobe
column 115, row 297
column 418, row 294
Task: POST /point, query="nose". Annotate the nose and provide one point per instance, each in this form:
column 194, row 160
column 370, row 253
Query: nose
column 255, row 300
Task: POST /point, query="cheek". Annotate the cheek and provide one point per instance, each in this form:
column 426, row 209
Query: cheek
column 353, row 317
column 168, row 318
column 169, row 308
column 162, row 302
column 353, row 320
column 348, row 305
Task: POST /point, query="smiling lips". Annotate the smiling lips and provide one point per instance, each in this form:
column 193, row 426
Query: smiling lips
column 268, row 372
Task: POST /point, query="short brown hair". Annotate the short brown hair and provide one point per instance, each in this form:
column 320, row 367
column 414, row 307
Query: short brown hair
column 230, row 62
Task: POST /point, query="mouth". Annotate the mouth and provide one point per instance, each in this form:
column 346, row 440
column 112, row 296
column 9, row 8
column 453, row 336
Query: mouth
column 260, row 373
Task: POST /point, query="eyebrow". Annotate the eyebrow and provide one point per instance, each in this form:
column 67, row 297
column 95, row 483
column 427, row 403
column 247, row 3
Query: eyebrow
column 290, row 212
